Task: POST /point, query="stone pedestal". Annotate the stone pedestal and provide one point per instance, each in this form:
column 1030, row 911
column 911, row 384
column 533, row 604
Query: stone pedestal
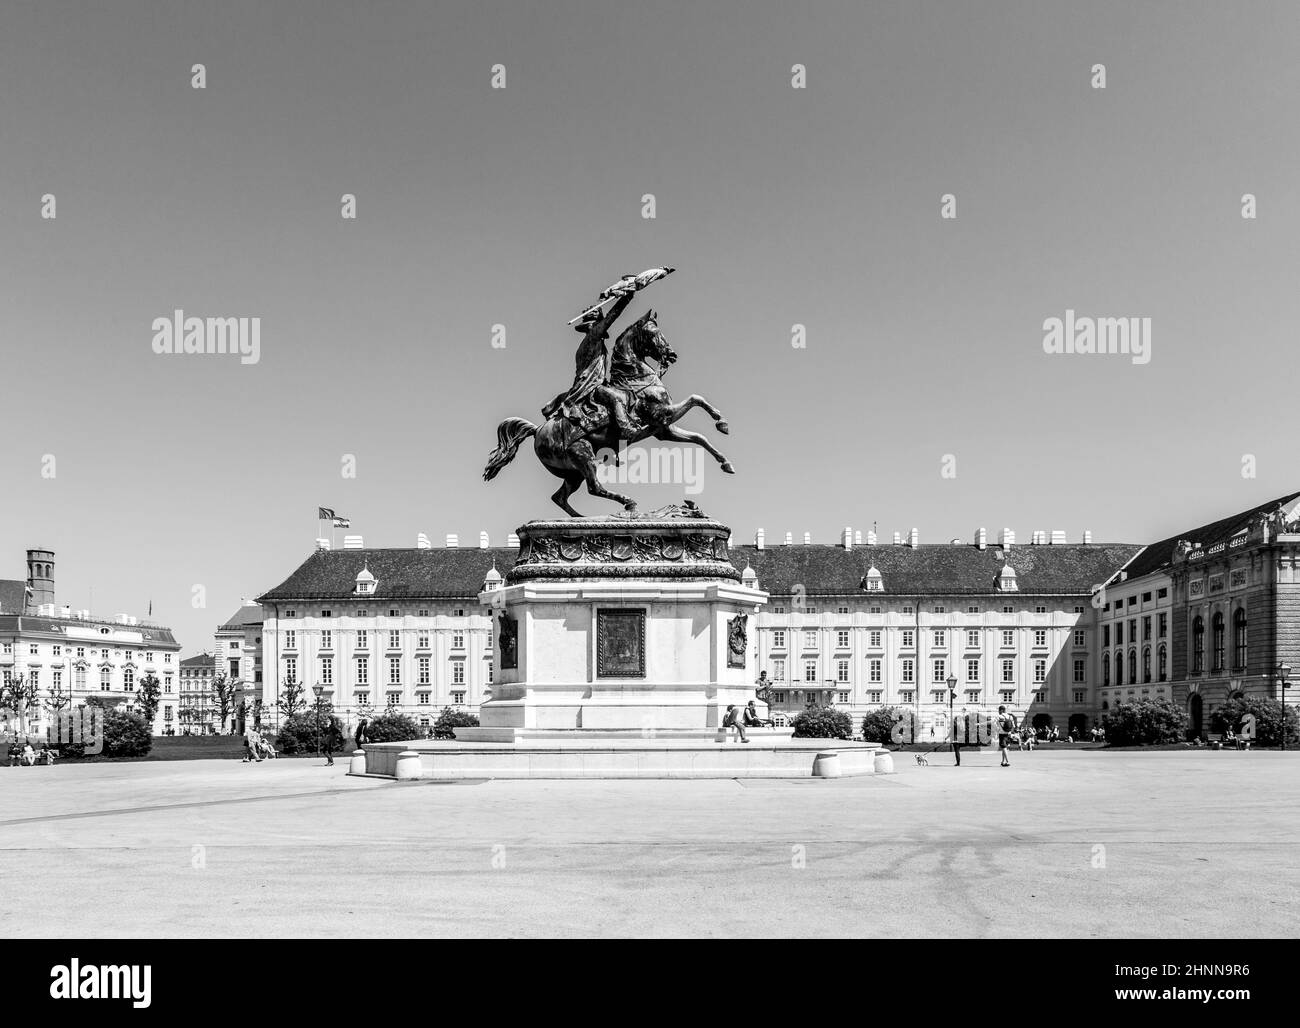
column 635, row 627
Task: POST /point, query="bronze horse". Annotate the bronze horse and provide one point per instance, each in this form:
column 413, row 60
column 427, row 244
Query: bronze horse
column 568, row 449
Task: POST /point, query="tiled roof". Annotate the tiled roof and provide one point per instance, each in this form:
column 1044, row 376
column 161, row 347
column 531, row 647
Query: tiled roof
column 150, row 635
column 12, row 595
column 247, row 614
column 201, row 661
column 1159, row 556
column 821, row 569
column 933, row 568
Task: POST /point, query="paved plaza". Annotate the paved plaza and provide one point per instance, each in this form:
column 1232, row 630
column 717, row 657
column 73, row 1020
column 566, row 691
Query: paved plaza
column 1063, row 843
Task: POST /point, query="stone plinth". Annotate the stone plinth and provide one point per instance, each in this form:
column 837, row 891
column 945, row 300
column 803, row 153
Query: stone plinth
column 619, row 624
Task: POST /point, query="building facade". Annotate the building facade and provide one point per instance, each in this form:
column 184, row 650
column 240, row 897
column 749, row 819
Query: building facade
column 238, row 649
column 71, row 655
column 196, row 713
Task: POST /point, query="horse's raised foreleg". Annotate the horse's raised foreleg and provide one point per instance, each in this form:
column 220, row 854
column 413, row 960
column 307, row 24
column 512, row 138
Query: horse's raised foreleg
column 672, row 434
column 673, row 412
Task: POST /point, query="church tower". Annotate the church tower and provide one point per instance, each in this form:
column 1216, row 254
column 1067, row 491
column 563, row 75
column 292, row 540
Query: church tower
column 40, row 579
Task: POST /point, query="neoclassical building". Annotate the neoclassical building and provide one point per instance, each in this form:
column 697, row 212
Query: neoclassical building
column 1057, row 631
column 72, row 654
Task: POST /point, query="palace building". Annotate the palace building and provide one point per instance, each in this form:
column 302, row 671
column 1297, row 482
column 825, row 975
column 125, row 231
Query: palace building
column 70, row 655
column 1056, row 631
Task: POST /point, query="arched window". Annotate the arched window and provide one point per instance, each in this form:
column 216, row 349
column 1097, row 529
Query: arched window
column 1163, row 657
column 1216, row 628
column 1239, row 639
column 1146, row 664
column 1119, row 668
column 1198, row 644
column 1105, row 669
column 1132, row 666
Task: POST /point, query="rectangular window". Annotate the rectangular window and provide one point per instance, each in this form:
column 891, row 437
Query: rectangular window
column 939, row 695
column 394, row 640
column 1080, row 696
column 361, row 697
column 290, row 613
column 1080, row 638
column 327, row 613
column 458, row 697
column 874, row 696
column 290, row 640
column 1162, row 594
column 105, row 680
column 909, row 640
column 422, row 698
column 327, row 671
column 1040, row 609
column 974, row 608
column 873, row 639
column 1040, row 671
column 940, row 668
column 972, row 639
column 874, row 670
column 422, row 664
column 1040, row 637
column 1008, row 638
column 1080, row 671
column 841, row 670
column 907, row 696
column 940, row 638
column 363, row 639
column 291, row 669
column 1132, row 629
column 1008, row 671
column 422, row 612
column 326, row 639
column 1163, row 625
column 1105, row 635
column 458, row 612
column 940, row 609
column 778, row 639
column 973, row 670
column 909, row 670
column 394, row 670
column 1146, row 627
column 907, row 609
column 844, row 697
column 842, row 639
column 841, row 610
column 778, row 670
column 810, row 640
column 422, row 641
column 394, row 612
column 394, row 698
column 810, row 670
column 972, row 696
column 458, row 673
column 1008, row 696
column 363, row 671
column 1119, row 633
column 457, row 640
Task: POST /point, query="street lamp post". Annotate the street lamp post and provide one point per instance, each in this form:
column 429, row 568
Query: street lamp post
column 1283, row 673
column 318, row 689
column 952, row 695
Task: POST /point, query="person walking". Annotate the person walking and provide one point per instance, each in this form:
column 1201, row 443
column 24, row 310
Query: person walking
column 361, row 733
column 327, row 744
column 1006, row 725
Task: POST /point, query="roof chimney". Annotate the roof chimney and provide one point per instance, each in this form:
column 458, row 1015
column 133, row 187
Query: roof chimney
column 453, row 539
column 871, row 538
column 1006, row 538
column 322, row 544
column 758, row 539
column 1087, row 537
column 846, row 538
column 512, row 540
column 898, row 538
column 422, row 542
column 914, row 539
column 1058, row 536
column 482, row 540
column 857, row 537
column 789, row 538
column 807, row 538
column 353, row 542
column 981, row 539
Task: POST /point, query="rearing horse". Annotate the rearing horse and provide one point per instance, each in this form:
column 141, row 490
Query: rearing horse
column 568, row 450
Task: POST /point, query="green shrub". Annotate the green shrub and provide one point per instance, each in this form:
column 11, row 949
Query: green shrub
column 822, row 723
column 1268, row 716
column 298, row 733
column 878, row 725
column 449, row 720
column 393, row 728
column 1144, row 723
column 125, row 735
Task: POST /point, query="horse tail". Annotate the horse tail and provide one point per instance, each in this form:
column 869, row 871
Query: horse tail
column 510, row 433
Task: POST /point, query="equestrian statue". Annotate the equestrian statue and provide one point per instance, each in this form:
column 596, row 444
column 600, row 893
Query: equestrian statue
column 615, row 398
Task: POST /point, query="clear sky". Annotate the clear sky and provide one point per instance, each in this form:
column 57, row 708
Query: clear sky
column 817, row 206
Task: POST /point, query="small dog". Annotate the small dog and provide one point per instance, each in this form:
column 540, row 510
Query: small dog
column 920, row 759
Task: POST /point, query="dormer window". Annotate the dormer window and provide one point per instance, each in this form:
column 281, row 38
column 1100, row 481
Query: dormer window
column 365, row 581
column 1007, row 580
column 872, row 582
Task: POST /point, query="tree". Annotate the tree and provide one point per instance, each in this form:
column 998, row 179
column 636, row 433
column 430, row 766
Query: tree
column 298, row 732
column 56, row 701
column 393, row 727
column 879, row 725
column 223, row 691
column 1268, row 714
column 1144, row 723
column 19, row 694
column 822, row 723
column 449, row 720
column 125, row 735
column 258, row 708
column 291, row 699
column 148, row 698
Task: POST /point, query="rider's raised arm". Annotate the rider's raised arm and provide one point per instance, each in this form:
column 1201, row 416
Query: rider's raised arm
column 615, row 310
